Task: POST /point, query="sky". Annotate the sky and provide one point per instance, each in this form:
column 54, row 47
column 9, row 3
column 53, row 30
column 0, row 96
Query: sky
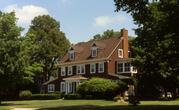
column 80, row 20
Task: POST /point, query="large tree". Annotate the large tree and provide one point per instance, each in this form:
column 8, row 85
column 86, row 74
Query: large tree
column 13, row 63
column 157, row 46
column 49, row 43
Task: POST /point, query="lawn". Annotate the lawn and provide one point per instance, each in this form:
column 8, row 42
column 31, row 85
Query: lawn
column 89, row 105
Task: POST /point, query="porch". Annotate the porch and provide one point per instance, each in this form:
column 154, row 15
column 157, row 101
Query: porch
column 70, row 84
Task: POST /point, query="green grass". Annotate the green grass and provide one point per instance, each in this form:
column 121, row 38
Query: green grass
column 89, row 105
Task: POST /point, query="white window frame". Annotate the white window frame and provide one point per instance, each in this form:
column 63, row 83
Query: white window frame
column 51, row 87
column 70, row 69
column 118, row 68
column 120, row 53
column 79, row 67
column 93, row 51
column 63, row 69
column 71, row 55
column 61, row 88
column 99, row 71
column 91, row 68
column 125, row 67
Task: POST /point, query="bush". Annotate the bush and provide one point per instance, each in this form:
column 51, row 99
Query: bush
column 72, row 96
column 25, row 95
column 46, row 96
column 99, row 88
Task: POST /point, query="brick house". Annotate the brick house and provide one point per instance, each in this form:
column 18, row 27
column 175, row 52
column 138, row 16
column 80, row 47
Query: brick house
column 108, row 58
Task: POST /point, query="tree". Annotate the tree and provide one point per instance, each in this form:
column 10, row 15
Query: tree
column 49, row 43
column 12, row 60
column 156, row 47
column 105, row 35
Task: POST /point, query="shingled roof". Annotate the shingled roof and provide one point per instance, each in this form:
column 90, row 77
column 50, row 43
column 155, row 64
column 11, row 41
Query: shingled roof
column 83, row 50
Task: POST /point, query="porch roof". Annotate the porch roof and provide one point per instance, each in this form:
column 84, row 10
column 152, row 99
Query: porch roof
column 76, row 77
column 45, row 83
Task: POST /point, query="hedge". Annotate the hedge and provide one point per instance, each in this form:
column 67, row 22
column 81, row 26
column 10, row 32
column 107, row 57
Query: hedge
column 99, row 88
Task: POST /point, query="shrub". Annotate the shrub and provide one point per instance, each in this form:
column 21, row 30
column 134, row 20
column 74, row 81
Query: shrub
column 72, row 96
column 25, row 95
column 99, row 88
column 46, row 96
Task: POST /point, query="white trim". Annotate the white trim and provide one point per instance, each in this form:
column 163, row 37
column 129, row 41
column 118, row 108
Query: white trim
column 115, row 47
column 120, row 53
column 99, row 67
column 83, row 62
column 91, row 65
column 51, row 87
column 63, row 69
column 70, row 68
column 71, row 55
column 92, row 52
column 80, row 69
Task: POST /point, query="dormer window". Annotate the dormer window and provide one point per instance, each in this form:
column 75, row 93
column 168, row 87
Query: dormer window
column 71, row 55
column 94, row 52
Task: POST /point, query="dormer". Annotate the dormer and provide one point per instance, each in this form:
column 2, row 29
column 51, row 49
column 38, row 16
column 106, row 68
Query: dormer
column 94, row 50
column 71, row 54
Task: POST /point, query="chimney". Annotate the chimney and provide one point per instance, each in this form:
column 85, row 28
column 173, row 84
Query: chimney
column 125, row 45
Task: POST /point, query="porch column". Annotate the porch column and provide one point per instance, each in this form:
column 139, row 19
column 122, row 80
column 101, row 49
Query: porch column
column 66, row 87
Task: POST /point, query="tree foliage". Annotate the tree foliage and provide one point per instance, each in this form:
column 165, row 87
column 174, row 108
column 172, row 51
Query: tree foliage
column 12, row 60
column 156, row 47
column 106, row 34
column 49, row 43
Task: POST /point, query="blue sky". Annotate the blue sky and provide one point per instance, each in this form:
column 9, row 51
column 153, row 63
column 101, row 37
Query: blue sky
column 79, row 19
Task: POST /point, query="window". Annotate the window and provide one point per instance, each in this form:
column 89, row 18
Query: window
column 63, row 71
column 134, row 69
column 81, row 69
column 94, row 52
column 127, row 67
column 100, row 67
column 92, row 68
column 120, row 67
column 51, row 88
column 120, row 53
column 62, row 87
column 71, row 55
column 70, row 70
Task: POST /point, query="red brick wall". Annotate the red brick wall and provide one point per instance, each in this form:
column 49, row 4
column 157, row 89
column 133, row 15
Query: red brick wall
column 123, row 45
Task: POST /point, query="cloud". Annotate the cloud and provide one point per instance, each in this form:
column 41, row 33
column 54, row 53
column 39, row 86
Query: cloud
column 26, row 13
column 109, row 20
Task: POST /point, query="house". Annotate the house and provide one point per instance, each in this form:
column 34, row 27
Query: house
column 108, row 58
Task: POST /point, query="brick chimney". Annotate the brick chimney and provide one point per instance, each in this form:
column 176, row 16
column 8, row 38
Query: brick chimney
column 125, row 45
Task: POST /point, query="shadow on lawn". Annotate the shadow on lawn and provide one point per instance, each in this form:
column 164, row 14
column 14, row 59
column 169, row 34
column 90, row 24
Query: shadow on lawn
column 10, row 104
column 120, row 107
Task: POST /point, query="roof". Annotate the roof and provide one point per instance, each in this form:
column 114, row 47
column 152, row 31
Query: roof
column 76, row 77
column 45, row 83
column 83, row 50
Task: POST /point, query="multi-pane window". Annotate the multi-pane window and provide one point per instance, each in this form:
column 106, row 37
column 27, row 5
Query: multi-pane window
column 92, row 68
column 127, row 67
column 120, row 67
column 71, row 55
column 62, row 87
column 101, row 67
column 70, row 70
column 63, row 71
column 81, row 69
column 120, row 53
column 51, row 88
column 94, row 52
